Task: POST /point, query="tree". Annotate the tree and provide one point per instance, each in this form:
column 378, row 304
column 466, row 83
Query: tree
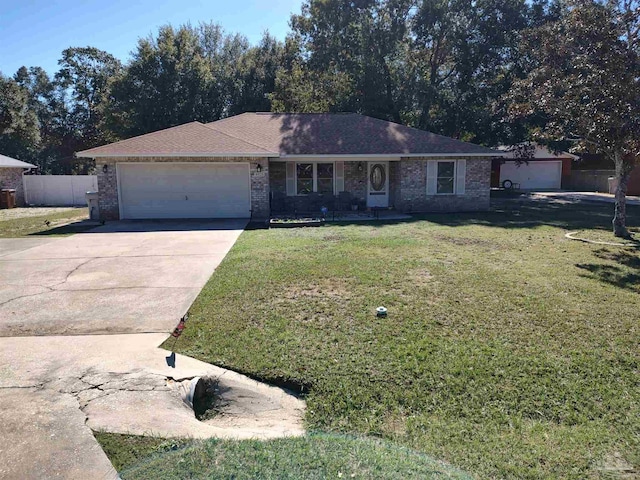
column 440, row 65
column 19, row 129
column 186, row 74
column 464, row 58
column 301, row 89
column 257, row 69
column 58, row 136
column 351, row 54
column 584, row 78
column 86, row 73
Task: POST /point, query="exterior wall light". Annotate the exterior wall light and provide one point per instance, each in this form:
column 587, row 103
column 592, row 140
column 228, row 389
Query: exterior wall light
column 105, row 168
column 258, row 167
column 360, row 166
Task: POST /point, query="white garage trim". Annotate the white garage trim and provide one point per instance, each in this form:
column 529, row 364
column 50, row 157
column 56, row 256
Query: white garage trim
column 243, row 202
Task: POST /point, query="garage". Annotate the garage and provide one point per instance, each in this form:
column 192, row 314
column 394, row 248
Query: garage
column 183, row 190
column 534, row 175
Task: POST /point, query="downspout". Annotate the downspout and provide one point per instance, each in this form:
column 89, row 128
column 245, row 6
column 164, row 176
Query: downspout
column 24, row 186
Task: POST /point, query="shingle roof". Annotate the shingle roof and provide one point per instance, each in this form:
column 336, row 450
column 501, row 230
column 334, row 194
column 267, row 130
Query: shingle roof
column 289, row 134
column 190, row 139
column 8, row 162
column 339, row 134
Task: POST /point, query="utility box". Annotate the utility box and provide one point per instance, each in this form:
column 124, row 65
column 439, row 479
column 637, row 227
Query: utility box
column 7, row 198
column 92, row 203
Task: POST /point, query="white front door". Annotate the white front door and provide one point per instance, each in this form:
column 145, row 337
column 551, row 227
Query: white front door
column 378, row 184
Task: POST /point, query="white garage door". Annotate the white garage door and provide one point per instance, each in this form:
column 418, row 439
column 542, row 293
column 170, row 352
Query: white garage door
column 184, row 190
column 534, row 175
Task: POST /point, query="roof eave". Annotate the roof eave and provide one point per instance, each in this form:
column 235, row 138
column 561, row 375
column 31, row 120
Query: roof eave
column 396, row 155
column 89, row 154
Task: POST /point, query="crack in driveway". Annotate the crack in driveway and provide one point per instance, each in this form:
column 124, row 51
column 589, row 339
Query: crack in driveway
column 60, row 387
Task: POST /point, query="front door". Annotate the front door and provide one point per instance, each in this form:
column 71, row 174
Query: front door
column 378, row 184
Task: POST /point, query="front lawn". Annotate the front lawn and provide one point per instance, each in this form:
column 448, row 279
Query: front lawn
column 58, row 222
column 509, row 350
column 311, row 457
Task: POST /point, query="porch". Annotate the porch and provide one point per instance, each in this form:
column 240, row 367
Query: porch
column 362, row 189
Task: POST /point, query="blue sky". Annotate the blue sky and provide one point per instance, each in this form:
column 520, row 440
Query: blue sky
column 34, row 32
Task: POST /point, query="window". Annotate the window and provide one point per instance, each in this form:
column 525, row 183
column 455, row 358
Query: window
column 377, row 178
column 314, row 177
column 446, row 177
column 325, row 178
column 304, row 176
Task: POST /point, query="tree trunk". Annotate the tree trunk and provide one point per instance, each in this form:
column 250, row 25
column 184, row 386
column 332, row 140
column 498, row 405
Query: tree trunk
column 620, row 212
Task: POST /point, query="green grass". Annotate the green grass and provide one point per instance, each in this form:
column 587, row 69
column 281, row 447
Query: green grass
column 58, row 224
column 509, row 351
column 127, row 450
column 311, row 457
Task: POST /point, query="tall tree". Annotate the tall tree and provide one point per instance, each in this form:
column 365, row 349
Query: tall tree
column 301, row 89
column 181, row 75
column 441, row 65
column 86, row 73
column 19, row 129
column 257, row 70
column 585, row 77
column 50, row 102
column 355, row 45
column 464, row 58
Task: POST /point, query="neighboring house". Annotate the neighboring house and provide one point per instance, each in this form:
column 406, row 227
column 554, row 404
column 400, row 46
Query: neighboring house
column 540, row 169
column 633, row 186
column 11, row 171
column 595, row 173
column 236, row 166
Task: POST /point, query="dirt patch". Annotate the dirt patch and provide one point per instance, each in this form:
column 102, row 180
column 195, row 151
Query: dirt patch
column 615, row 466
column 328, row 289
column 420, row 276
column 395, row 425
column 12, row 213
column 465, row 242
column 333, row 237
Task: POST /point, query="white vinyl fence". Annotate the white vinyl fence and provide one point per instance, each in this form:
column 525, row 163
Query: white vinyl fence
column 58, row 190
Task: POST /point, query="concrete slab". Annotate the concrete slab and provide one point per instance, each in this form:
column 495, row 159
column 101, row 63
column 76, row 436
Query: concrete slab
column 44, row 436
column 582, row 196
column 10, row 246
column 123, row 277
column 35, row 311
column 123, row 384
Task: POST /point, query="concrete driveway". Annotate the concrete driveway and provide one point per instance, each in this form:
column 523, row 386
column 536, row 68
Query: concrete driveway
column 124, row 277
column 55, row 390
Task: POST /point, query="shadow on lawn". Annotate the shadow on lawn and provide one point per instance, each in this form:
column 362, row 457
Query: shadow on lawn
column 626, row 274
column 524, row 212
column 68, row 229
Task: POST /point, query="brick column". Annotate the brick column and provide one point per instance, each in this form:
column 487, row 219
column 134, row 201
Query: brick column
column 107, row 189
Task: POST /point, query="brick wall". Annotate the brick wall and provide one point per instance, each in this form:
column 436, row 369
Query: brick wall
column 12, row 178
column 412, row 195
column 107, row 189
column 355, row 181
column 259, row 188
column 108, row 183
column 394, row 184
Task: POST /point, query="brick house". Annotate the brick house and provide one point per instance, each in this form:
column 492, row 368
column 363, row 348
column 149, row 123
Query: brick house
column 11, row 171
column 255, row 164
